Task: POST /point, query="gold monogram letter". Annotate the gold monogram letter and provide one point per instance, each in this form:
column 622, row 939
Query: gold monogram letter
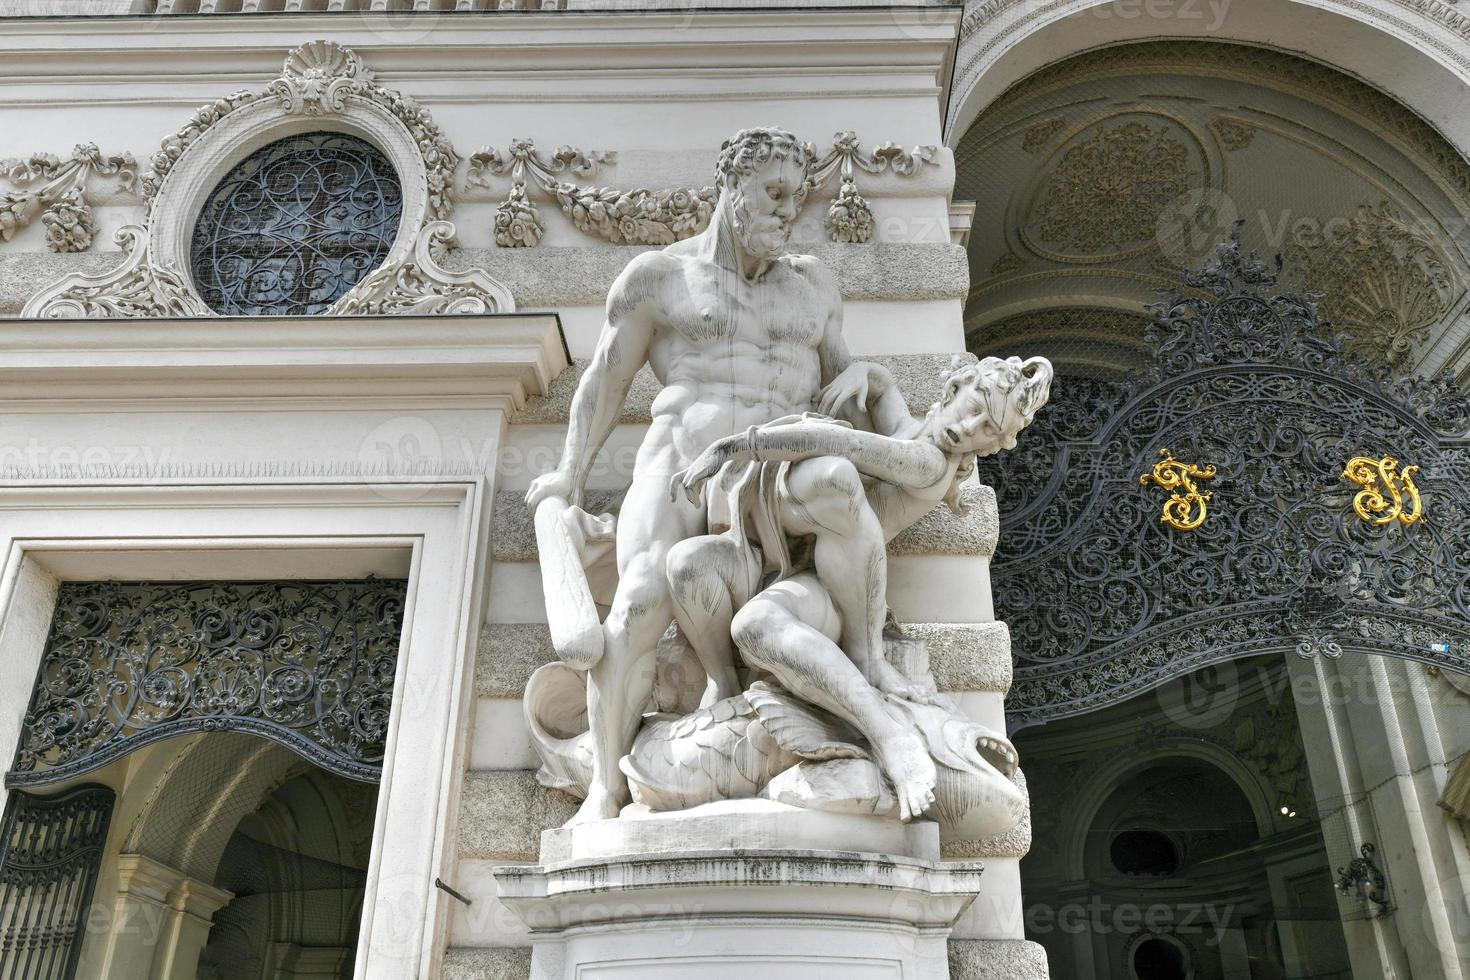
column 1186, row 511
column 1371, row 504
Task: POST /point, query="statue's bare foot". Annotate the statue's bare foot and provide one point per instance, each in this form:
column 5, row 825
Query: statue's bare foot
column 598, row 806
column 906, row 763
column 887, row 679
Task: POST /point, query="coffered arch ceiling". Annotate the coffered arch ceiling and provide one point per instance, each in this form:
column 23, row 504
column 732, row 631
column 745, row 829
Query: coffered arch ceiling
column 1098, row 178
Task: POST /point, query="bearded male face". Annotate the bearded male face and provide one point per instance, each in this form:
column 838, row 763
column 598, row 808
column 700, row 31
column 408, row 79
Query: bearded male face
column 764, row 204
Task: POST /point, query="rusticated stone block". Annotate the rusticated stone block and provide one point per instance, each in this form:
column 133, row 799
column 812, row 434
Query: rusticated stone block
column 502, row 814
column 488, row 963
column 918, row 377
column 996, row 959
column 962, row 656
column 940, row 532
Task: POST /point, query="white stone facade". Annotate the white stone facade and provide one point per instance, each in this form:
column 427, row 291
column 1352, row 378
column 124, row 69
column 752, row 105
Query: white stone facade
column 181, row 445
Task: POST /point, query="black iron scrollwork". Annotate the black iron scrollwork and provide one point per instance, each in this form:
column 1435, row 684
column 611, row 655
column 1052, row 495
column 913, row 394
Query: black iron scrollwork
column 307, row 664
column 50, row 852
column 1104, row 602
column 295, row 226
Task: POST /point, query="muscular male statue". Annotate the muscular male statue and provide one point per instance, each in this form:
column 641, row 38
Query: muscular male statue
column 740, row 334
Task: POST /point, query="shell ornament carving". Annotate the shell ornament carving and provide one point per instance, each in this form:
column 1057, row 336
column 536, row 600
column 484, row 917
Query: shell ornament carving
column 318, row 78
column 1383, row 280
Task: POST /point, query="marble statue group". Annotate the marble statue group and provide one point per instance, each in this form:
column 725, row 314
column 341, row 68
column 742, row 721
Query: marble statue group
column 726, row 636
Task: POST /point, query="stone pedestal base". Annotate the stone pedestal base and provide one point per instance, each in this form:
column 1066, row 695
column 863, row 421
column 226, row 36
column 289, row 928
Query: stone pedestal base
column 740, row 891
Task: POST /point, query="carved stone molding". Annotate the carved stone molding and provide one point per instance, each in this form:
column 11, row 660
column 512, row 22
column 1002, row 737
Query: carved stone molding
column 419, row 283
column 659, row 217
column 319, row 79
column 134, row 288
column 1233, row 134
column 59, row 187
column 322, row 86
column 1383, row 280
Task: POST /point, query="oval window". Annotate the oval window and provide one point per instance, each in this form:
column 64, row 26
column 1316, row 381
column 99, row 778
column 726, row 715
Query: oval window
column 295, row 225
column 1143, row 852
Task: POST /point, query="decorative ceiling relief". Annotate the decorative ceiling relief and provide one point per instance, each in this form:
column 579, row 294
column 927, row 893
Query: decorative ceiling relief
column 1294, row 148
column 58, row 189
column 328, row 84
column 1038, row 137
column 660, row 217
column 1006, row 264
column 1080, row 341
column 1383, row 278
column 1233, row 134
column 1105, row 189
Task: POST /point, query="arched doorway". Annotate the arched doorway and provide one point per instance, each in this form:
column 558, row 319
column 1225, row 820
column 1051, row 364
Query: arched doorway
column 295, row 868
column 1099, row 181
column 1180, row 840
column 237, row 730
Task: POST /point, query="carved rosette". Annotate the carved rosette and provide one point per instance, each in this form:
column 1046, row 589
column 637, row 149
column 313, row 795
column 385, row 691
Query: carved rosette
column 1104, row 190
column 57, row 188
column 319, row 79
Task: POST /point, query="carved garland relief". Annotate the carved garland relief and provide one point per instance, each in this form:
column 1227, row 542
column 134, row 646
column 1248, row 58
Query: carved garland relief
column 320, row 80
column 60, row 187
column 660, row 217
column 327, row 81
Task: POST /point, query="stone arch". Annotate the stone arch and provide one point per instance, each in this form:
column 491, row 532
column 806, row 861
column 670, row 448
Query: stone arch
column 207, row 790
column 1105, row 781
column 1417, row 53
column 295, row 867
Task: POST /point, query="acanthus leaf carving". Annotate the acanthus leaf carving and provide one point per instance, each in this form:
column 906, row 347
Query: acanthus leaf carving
column 418, row 283
column 57, row 188
column 134, row 288
column 318, row 78
column 660, row 217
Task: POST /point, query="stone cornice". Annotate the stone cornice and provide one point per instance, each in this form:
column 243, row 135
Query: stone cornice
column 266, row 363
column 846, row 41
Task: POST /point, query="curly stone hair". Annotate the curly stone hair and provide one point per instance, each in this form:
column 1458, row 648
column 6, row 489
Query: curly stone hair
column 750, row 149
column 1012, row 390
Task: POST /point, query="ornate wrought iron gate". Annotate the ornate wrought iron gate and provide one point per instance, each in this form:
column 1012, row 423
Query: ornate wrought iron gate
column 307, row 664
column 1106, row 595
column 50, row 850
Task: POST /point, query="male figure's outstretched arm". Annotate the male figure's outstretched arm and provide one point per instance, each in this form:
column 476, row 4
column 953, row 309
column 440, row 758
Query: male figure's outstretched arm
column 907, row 463
column 622, row 349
